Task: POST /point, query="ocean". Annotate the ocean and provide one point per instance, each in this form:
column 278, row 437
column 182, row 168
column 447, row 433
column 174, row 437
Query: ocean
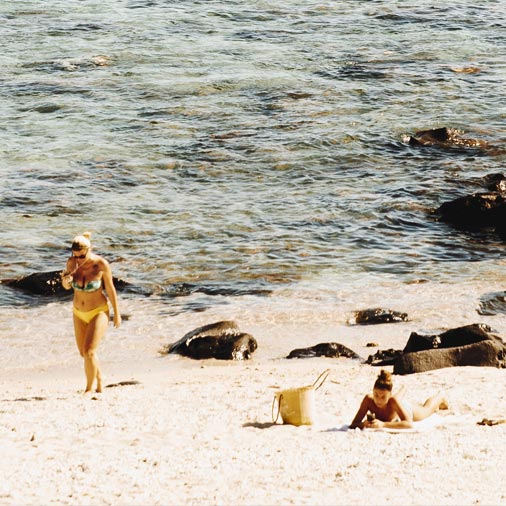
column 247, row 161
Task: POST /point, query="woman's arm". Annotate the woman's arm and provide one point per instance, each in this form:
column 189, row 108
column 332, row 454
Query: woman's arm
column 66, row 277
column 403, row 413
column 405, row 419
column 399, row 424
column 111, row 292
column 362, row 410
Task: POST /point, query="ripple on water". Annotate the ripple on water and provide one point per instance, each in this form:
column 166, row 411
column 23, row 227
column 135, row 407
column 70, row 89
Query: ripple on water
column 246, row 147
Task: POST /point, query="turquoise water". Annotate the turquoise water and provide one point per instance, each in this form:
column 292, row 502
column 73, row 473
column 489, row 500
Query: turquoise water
column 219, row 150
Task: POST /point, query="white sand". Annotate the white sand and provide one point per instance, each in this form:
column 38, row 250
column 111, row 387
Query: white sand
column 201, row 433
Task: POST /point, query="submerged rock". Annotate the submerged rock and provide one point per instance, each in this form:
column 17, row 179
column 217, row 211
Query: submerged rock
column 476, row 211
column 445, row 137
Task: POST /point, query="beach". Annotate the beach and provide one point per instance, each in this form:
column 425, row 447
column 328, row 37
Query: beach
column 180, row 431
column 255, row 163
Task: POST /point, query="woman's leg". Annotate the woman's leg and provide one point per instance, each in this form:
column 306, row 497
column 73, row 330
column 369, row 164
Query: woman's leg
column 430, row 406
column 80, row 333
column 95, row 331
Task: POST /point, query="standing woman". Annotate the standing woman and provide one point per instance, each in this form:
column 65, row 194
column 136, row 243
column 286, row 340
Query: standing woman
column 89, row 275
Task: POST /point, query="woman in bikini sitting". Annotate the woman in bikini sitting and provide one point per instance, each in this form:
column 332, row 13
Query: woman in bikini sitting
column 386, row 410
column 89, row 274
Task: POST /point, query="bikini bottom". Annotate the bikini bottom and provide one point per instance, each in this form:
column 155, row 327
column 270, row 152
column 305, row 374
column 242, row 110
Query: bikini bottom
column 87, row 316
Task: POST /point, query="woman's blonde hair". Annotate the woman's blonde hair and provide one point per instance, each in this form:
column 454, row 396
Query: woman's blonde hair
column 82, row 241
column 384, row 381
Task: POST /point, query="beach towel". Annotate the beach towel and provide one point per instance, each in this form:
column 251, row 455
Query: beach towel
column 428, row 423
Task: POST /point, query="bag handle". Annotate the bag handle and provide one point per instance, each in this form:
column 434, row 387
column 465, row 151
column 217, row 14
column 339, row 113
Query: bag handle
column 324, row 373
column 279, row 408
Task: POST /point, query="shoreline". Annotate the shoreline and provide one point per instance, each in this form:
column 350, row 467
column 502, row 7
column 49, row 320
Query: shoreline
column 202, row 433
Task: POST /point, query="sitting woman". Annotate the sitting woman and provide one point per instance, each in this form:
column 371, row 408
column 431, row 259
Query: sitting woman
column 383, row 409
column 91, row 278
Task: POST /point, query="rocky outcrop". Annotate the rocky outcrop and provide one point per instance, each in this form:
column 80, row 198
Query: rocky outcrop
column 47, row 284
column 384, row 357
column 473, row 345
column 333, row 350
column 221, row 340
column 378, row 315
column 476, row 211
column 495, row 182
column 492, row 303
column 445, row 138
column 479, row 210
column 460, row 336
column 489, row 353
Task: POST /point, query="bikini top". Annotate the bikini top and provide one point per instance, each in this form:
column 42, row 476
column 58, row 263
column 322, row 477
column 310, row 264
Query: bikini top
column 91, row 286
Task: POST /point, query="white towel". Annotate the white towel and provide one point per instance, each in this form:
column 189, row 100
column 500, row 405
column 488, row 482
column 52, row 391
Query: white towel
column 428, row 423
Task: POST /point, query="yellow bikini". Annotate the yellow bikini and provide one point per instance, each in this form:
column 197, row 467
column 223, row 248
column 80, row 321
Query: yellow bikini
column 87, row 316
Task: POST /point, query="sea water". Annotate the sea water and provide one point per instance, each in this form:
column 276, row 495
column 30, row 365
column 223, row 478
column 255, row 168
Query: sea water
column 247, row 161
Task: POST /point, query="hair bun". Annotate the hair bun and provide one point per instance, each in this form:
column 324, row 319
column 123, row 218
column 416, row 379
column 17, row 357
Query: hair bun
column 384, row 375
column 384, row 380
column 82, row 241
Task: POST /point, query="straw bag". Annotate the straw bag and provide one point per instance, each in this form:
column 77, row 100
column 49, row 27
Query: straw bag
column 296, row 405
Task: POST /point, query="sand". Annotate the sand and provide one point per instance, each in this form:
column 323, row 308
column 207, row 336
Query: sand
column 202, row 433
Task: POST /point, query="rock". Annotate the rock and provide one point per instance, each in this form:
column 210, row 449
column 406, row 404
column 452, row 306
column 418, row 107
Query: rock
column 383, row 357
column 495, row 182
column 446, row 138
column 490, row 422
column 473, row 344
column 378, row 315
column 488, row 353
column 492, row 303
column 333, row 350
column 221, row 340
column 123, row 383
column 459, row 336
column 476, row 211
column 39, row 283
column 48, row 284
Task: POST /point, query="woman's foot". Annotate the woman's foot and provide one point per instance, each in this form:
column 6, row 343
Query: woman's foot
column 443, row 404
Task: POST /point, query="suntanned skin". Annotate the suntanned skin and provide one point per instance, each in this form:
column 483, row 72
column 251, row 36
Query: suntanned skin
column 390, row 413
column 89, row 335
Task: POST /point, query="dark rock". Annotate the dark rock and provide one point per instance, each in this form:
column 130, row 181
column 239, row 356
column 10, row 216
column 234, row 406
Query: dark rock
column 467, row 334
column 495, row 182
column 383, row 357
column 467, row 345
column 419, row 342
column 492, row 304
column 488, row 353
column 48, row 284
column 221, row 340
column 333, row 350
column 446, row 138
column 490, row 422
column 123, row 383
column 378, row 315
column 39, row 283
column 459, row 336
column 476, row 211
